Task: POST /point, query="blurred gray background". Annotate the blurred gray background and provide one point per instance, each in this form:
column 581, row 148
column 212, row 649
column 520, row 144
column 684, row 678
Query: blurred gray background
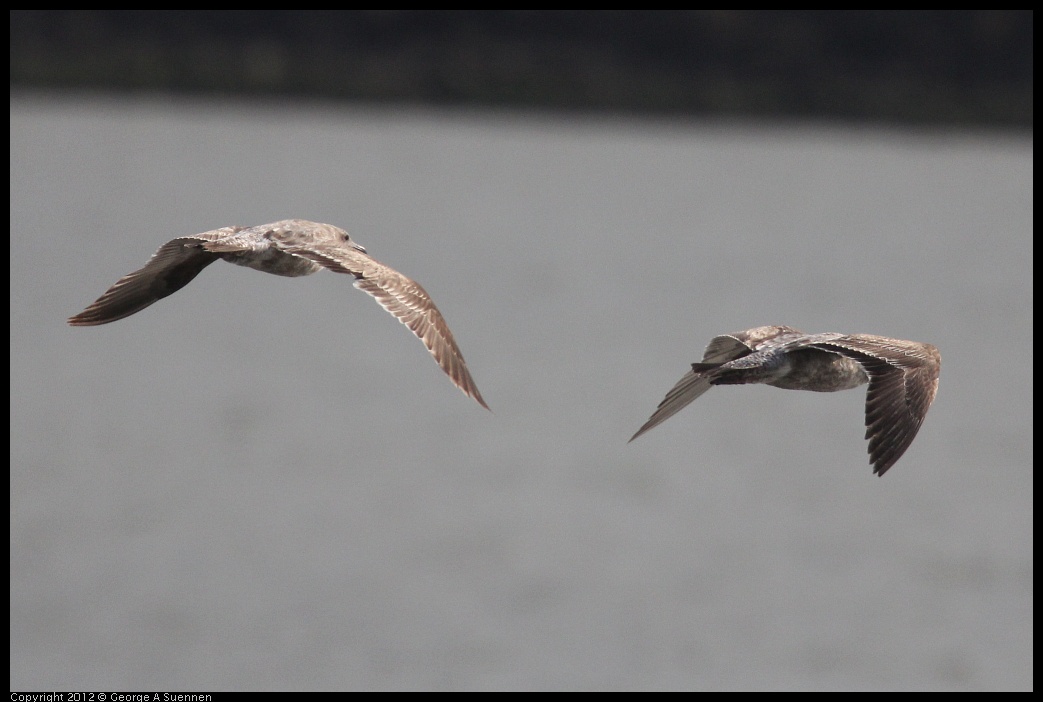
column 265, row 483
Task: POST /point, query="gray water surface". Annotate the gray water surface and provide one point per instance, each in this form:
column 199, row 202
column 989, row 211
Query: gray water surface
column 266, row 483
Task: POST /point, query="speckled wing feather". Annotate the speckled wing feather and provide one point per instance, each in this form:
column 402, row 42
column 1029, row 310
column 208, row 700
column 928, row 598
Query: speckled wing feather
column 903, row 381
column 171, row 268
column 402, row 297
column 694, row 383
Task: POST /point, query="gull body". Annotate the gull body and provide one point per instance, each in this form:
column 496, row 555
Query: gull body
column 290, row 247
column 902, row 377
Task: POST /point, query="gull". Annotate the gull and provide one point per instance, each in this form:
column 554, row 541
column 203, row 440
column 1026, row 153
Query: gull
column 290, row 247
column 902, row 377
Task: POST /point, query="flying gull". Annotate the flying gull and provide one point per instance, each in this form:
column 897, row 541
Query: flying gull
column 902, row 377
column 291, row 247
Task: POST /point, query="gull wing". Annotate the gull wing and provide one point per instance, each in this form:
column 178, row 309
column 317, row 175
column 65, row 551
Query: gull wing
column 171, row 268
column 903, row 381
column 404, row 298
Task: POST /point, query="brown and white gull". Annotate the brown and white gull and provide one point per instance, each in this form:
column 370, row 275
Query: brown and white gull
column 291, row 247
column 902, row 377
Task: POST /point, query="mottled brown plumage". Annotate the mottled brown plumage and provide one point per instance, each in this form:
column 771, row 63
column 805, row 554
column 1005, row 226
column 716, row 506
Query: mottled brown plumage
column 902, row 377
column 292, row 247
